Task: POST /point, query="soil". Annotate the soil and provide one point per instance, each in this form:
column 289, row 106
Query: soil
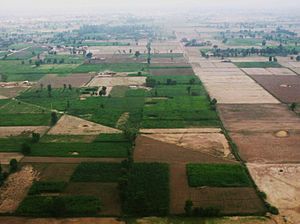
column 15, row 189
column 285, row 88
column 232, row 86
column 150, row 150
column 281, row 183
column 5, row 157
column 70, row 125
column 117, row 81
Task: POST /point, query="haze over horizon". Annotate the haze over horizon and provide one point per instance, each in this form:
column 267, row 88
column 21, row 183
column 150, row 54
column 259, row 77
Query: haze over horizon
column 37, row 7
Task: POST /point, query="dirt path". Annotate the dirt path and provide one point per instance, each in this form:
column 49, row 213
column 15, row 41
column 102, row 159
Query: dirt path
column 36, row 159
column 15, row 189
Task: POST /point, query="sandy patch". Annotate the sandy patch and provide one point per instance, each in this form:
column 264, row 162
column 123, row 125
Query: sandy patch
column 257, row 71
column 281, row 71
column 15, row 189
column 117, row 81
column 281, row 184
column 22, row 130
column 70, row 125
column 122, row 120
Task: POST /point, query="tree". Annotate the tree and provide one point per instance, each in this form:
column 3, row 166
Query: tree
column 89, row 55
column 13, row 165
column 25, row 149
column 264, row 42
column 35, row 137
column 54, row 118
column 49, row 88
column 42, row 86
column 189, row 90
column 188, row 208
column 30, row 61
column 65, row 86
column 137, row 54
column 298, row 58
column 192, row 81
column 150, row 82
column 37, row 63
column 293, row 106
column 70, row 87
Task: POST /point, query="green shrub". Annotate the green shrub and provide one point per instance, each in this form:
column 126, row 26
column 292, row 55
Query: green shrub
column 35, row 137
column 13, row 165
column 188, row 208
column 46, row 187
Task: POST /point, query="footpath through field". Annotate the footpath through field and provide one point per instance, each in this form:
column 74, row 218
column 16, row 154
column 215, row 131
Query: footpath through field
column 265, row 131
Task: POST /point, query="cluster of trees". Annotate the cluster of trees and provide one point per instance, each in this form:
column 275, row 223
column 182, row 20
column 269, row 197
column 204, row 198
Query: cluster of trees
column 13, row 167
column 243, row 52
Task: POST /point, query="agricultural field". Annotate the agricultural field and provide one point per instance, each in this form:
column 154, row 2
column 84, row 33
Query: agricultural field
column 109, row 119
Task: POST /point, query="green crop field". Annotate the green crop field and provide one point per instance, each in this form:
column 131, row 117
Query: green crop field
column 217, row 175
column 266, row 64
column 244, row 42
column 116, row 67
column 39, row 187
column 75, row 205
column 147, row 192
column 97, row 172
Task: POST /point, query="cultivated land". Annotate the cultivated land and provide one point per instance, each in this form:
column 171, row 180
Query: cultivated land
column 208, row 120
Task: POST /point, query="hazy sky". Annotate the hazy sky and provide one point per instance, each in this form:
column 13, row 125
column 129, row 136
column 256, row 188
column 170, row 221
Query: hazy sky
column 16, row 6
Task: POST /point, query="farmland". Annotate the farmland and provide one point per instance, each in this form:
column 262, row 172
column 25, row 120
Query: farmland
column 111, row 118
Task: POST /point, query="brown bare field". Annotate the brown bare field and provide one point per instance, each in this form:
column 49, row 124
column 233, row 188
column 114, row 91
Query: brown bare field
column 70, row 125
column 281, row 183
column 76, row 80
column 24, row 220
column 285, row 88
column 10, row 92
column 22, row 130
column 214, row 144
column 150, row 150
column 265, row 133
column 268, row 148
column 53, row 171
column 296, row 70
column 172, row 71
column 258, row 118
column 67, row 160
column 5, row 157
column 107, row 192
column 117, row 81
column 15, row 189
column 232, row 86
column 281, row 71
column 256, row 71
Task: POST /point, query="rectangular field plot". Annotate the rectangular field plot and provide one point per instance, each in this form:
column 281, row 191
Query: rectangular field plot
column 148, row 187
column 97, row 172
column 217, row 175
column 285, row 88
column 252, row 64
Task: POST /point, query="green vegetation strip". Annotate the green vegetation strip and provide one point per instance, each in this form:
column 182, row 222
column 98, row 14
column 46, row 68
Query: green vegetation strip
column 147, row 192
column 46, row 187
column 75, row 205
column 217, row 175
column 264, row 64
column 97, row 172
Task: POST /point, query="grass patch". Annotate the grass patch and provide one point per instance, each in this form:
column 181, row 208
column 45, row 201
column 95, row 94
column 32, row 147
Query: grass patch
column 75, row 205
column 25, row 119
column 46, row 187
column 116, row 67
column 263, row 64
column 97, row 172
column 217, row 175
column 147, row 192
